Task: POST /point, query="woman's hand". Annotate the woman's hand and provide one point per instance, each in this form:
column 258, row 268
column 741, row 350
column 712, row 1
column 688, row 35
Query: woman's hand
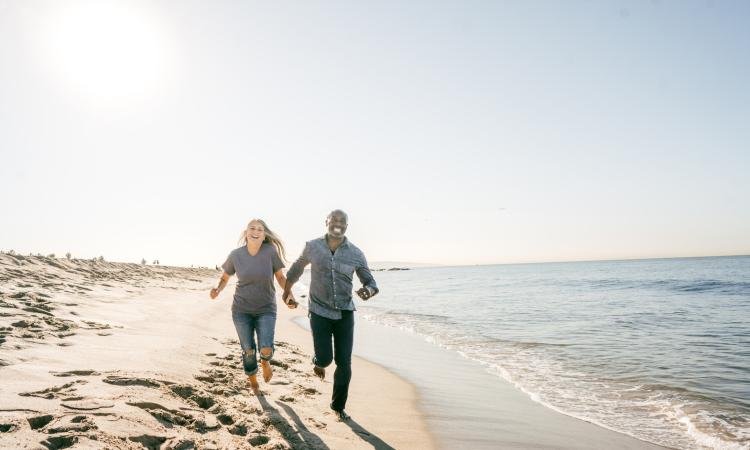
column 222, row 282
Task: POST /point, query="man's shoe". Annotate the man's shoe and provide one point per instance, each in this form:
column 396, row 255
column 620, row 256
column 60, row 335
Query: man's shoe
column 342, row 416
column 319, row 372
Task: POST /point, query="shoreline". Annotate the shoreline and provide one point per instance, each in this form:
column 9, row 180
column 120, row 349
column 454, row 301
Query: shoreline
column 107, row 355
column 466, row 406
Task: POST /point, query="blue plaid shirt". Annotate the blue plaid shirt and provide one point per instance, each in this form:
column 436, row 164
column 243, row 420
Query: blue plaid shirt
column 331, row 276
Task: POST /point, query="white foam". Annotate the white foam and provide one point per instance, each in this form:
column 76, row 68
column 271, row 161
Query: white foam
column 572, row 392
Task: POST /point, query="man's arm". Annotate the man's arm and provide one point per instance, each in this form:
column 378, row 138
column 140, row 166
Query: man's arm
column 369, row 286
column 288, row 299
column 294, row 272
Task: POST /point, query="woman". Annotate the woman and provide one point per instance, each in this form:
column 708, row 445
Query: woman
column 256, row 263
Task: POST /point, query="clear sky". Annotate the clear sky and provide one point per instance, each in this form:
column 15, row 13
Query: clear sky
column 454, row 132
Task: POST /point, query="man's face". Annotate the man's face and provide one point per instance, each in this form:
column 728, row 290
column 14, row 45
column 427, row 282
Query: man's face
column 336, row 224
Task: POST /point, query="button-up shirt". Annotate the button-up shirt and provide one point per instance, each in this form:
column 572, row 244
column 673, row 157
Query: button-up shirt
column 331, row 276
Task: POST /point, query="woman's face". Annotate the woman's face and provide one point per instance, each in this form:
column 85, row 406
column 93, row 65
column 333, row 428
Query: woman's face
column 255, row 232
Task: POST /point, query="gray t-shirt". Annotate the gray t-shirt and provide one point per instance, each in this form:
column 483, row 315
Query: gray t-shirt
column 255, row 293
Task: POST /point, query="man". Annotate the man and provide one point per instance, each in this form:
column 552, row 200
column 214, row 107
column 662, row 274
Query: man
column 331, row 308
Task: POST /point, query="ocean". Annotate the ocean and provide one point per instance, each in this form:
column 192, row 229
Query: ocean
column 658, row 349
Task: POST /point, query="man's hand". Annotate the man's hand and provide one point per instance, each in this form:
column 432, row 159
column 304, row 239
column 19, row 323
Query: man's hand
column 288, row 298
column 214, row 293
column 290, row 301
column 364, row 293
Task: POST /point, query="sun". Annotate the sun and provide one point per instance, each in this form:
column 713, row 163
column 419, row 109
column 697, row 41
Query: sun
column 108, row 51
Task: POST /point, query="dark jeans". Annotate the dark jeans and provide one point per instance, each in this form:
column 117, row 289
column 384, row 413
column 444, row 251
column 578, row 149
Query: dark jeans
column 342, row 333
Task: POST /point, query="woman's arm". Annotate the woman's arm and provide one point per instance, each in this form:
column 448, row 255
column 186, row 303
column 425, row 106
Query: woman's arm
column 288, row 298
column 222, row 282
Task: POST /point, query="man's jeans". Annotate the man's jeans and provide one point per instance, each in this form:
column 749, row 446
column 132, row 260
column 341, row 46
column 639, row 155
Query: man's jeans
column 342, row 332
column 248, row 325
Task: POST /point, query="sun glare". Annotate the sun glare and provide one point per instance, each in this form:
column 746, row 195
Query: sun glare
column 109, row 51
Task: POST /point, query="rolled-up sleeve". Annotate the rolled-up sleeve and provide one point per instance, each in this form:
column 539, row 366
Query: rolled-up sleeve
column 299, row 265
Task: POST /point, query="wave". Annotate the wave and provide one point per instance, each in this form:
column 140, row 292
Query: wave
column 676, row 285
column 655, row 412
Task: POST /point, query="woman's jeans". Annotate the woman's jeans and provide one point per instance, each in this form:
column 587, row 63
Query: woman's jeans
column 248, row 325
column 341, row 331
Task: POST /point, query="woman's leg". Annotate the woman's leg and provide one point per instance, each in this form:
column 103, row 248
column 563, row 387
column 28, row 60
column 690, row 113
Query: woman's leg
column 265, row 328
column 245, row 325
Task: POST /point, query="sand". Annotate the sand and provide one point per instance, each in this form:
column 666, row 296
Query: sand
column 124, row 356
column 110, row 355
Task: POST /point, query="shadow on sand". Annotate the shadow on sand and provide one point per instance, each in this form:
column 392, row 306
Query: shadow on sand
column 297, row 435
column 366, row 436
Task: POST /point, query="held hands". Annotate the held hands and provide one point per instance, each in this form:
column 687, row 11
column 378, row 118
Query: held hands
column 289, row 300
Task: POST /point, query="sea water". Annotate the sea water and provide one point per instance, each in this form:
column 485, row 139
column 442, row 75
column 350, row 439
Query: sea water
column 657, row 349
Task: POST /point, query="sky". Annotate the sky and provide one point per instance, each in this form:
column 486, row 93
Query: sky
column 451, row 132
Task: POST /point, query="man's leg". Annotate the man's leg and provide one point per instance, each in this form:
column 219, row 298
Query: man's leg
column 322, row 329
column 343, row 341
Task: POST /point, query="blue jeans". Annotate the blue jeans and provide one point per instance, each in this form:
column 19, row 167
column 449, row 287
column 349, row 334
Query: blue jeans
column 248, row 325
column 340, row 333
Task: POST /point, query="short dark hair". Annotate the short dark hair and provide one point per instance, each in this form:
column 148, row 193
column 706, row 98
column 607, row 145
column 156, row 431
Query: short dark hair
column 337, row 211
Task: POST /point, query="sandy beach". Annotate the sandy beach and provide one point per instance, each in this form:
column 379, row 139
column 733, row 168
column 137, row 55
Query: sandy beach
column 110, row 355
column 124, row 356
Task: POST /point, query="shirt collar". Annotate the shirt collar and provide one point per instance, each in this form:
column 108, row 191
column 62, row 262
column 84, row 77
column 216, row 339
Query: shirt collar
column 343, row 244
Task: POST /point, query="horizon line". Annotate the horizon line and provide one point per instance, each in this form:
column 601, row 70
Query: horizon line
column 406, row 263
column 584, row 260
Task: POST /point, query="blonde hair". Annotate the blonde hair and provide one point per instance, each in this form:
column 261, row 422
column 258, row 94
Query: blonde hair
column 271, row 238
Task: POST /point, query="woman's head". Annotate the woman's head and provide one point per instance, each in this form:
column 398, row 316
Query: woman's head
column 257, row 231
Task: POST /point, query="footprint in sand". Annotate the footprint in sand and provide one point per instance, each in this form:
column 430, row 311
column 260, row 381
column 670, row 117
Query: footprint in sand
column 96, row 325
column 38, row 422
column 66, row 390
column 8, row 427
column 307, row 391
column 84, row 404
column 76, row 373
column 278, row 363
column 163, row 414
column 258, row 439
column 70, row 424
column 133, row 381
column 197, row 396
column 59, row 442
column 316, row 423
column 148, row 441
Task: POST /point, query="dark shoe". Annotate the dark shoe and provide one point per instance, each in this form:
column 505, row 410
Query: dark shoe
column 342, row 416
column 319, row 372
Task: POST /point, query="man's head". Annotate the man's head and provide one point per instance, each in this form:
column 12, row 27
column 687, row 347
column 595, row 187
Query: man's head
column 336, row 223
